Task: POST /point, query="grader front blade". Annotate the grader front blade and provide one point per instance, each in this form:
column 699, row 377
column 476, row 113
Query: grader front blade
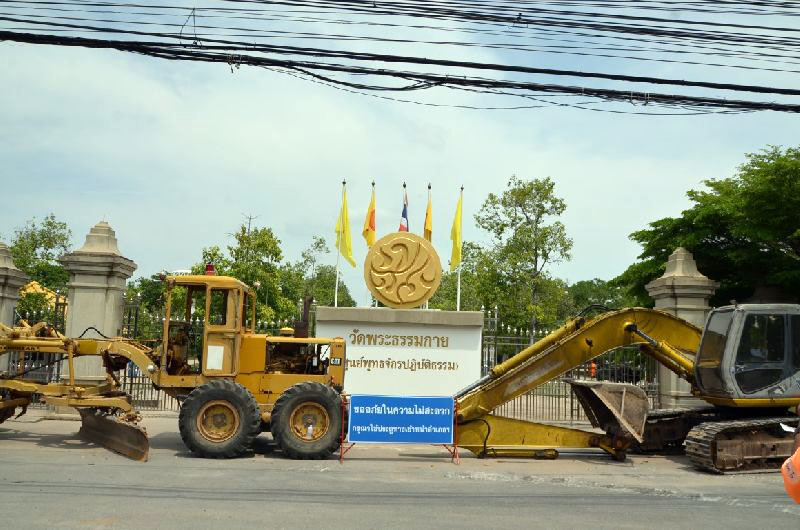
column 614, row 407
column 114, row 433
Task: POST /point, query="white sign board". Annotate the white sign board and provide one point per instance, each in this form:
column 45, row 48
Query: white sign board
column 407, row 359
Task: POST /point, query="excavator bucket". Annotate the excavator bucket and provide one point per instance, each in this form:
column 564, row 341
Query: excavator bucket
column 113, row 433
column 613, row 407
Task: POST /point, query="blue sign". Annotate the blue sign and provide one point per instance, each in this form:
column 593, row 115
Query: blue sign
column 400, row 420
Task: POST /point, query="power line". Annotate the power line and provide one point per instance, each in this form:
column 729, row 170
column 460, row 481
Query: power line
column 267, row 34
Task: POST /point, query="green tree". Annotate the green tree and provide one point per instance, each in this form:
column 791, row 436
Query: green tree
column 35, row 248
column 598, row 292
column 253, row 258
column 474, row 294
column 744, row 231
column 308, row 262
column 324, row 282
column 526, row 238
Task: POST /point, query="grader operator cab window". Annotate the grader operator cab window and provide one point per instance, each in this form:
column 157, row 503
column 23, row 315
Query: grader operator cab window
column 185, row 332
column 761, row 356
column 218, row 312
column 247, row 312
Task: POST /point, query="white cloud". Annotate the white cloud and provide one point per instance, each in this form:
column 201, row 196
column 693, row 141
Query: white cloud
column 173, row 154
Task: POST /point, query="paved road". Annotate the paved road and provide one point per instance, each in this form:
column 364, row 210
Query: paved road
column 50, row 478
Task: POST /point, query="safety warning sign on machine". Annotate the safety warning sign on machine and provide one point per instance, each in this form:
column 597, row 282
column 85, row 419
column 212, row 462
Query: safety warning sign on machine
column 400, row 419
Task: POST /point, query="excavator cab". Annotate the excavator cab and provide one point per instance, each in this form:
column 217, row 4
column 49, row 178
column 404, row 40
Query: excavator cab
column 749, row 353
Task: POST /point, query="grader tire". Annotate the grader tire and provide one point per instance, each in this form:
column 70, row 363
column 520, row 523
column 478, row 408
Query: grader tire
column 9, row 412
column 219, row 419
column 6, row 414
column 307, row 421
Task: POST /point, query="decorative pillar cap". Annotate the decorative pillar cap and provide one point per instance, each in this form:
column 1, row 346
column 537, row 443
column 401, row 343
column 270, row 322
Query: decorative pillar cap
column 10, row 276
column 681, row 279
column 6, row 261
column 101, row 239
column 681, row 263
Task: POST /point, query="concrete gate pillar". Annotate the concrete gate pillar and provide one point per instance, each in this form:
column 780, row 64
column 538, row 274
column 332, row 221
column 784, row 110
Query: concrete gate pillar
column 97, row 276
column 11, row 279
column 684, row 292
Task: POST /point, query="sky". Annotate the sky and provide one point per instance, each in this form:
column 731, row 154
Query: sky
column 174, row 156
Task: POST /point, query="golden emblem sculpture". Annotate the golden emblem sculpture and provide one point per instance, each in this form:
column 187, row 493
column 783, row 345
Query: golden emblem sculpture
column 402, row 270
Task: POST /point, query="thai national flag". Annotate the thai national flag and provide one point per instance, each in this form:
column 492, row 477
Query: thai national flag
column 404, row 217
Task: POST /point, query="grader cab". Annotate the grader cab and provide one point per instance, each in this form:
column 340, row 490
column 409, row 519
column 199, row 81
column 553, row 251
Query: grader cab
column 231, row 382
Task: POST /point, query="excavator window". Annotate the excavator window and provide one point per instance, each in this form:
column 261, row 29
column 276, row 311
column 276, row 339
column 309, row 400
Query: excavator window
column 760, row 359
column 712, row 350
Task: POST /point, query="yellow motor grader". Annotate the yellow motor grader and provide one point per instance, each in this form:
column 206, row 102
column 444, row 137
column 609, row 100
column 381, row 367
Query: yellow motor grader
column 231, row 382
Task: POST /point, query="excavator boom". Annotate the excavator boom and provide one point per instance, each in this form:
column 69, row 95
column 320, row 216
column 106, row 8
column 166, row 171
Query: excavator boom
column 575, row 343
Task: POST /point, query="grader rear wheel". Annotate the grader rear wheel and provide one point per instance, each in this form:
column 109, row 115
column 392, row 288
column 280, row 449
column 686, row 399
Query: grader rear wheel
column 307, row 421
column 219, row 420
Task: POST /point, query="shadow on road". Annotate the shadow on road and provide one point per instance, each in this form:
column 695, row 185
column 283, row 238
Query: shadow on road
column 59, row 441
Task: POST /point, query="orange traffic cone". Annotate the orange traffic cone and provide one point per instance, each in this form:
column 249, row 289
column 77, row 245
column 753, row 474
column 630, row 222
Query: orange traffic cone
column 791, row 476
column 791, row 468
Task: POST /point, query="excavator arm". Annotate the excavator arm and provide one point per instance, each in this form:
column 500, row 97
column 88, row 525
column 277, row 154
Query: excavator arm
column 575, row 343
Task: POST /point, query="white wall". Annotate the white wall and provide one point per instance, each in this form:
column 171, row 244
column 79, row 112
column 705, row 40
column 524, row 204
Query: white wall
column 407, row 359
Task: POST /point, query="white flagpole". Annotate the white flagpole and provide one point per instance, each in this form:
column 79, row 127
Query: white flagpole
column 338, row 253
column 460, row 263
column 458, row 289
column 336, row 289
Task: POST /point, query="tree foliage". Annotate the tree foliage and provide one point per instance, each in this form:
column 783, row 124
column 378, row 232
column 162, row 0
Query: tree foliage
column 526, row 237
column 586, row 293
column 35, row 248
column 744, row 231
column 255, row 257
column 307, row 277
column 473, row 285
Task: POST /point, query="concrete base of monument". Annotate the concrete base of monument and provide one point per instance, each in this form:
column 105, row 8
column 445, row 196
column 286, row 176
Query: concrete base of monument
column 411, row 352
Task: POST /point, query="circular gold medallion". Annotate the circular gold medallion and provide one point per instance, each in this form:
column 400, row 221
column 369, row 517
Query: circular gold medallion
column 402, row 270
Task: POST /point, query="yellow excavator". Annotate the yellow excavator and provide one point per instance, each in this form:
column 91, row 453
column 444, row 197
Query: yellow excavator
column 232, row 382
column 745, row 364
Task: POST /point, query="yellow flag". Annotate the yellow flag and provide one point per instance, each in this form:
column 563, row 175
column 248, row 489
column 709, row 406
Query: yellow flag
column 343, row 241
column 369, row 221
column 455, row 235
column 429, row 217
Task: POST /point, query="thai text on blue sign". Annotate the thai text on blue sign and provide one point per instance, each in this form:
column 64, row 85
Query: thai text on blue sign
column 400, row 419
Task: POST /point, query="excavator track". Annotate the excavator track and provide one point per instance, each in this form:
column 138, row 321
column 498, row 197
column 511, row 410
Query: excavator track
column 667, row 428
column 746, row 445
